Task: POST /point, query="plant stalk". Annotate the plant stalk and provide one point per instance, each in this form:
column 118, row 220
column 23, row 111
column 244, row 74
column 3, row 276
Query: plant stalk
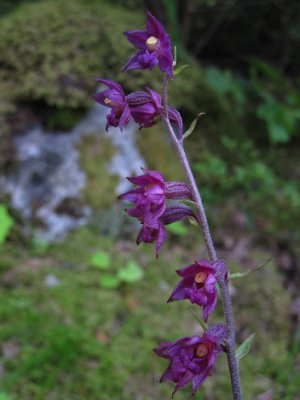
column 226, row 300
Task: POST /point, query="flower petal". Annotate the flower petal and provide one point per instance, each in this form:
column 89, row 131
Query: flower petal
column 162, row 236
column 138, row 38
column 155, row 27
column 133, row 62
column 109, row 83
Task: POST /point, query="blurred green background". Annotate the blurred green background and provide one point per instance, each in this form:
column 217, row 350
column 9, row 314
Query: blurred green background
column 81, row 307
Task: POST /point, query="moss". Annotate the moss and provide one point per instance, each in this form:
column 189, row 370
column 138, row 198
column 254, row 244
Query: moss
column 158, row 153
column 60, row 44
column 87, row 340
column 95, row 154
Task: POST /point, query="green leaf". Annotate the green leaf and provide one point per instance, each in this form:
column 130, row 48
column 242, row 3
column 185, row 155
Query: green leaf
column 131, row 273
column 4, row 396
column 100, row 260
column 238, row 275
column 175, row 57
column 177, row 228
column 198, row 319
column 192, row 126
column 244, row 348
column 109, row 281
column 6, row 222
column 178, row 70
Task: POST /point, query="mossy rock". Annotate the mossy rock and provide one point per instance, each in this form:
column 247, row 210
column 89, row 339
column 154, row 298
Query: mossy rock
column 60, row 45
column 159, row 153
column 95, row 154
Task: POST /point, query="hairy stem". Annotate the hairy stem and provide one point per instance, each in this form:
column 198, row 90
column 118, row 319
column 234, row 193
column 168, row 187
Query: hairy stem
column 227, row 306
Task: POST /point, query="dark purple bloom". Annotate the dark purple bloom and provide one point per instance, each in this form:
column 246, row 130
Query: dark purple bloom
column 146, row 108
column 192, row 358
column 115, row 99
column 149, row 198
column 157, row 231
column 151, row 194
column 198, row 284
column 154, row 47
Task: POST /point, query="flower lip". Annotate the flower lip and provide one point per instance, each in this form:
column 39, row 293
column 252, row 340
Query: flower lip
column 201, row 350
column 200, row 277
column 111, row 102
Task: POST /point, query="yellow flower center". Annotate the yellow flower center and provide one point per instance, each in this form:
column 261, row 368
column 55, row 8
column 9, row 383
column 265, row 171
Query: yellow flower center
column 152, row 43
column 200, row 277
column 201, row 350
column 109, row 101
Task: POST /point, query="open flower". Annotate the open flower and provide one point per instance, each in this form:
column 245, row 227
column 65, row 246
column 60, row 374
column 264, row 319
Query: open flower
column 114, row 98
column 154, row 47
column 146, row 109
column 198, row 284
column 151, row 194
column 192, row 358
column 149, row 198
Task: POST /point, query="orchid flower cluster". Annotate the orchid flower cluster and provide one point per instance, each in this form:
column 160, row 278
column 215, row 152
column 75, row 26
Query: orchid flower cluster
column 157, row 203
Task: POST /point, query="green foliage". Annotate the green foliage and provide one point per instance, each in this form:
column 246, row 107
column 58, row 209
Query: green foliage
column 180, row 69
column 192, row 127
column 244, row 174
column 239, row 275
column 226, row 83
column 62, row 45
column 6, row 222
column 95, row 153
column 131, row 273
column 178, row 228
column 101, row 260
column 244, row 348
column 109, row 281
column 78, row 339
column 279, row 102
column 114, row 276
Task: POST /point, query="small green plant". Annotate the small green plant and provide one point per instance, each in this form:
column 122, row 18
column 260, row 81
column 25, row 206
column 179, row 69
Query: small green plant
column 112, row 277
column 6, row 222
column 279, row 101
column 101, row 260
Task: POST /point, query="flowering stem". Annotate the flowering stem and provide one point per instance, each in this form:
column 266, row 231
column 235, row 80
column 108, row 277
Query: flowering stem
column 227, row 306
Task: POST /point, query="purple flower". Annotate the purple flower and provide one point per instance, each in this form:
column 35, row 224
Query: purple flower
column 149, row 198
column 157, row 231
column 115, row 99
column 198, row 284
column 151, row 194
column 154, row 48
column 146, row 108
column 192, row 358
